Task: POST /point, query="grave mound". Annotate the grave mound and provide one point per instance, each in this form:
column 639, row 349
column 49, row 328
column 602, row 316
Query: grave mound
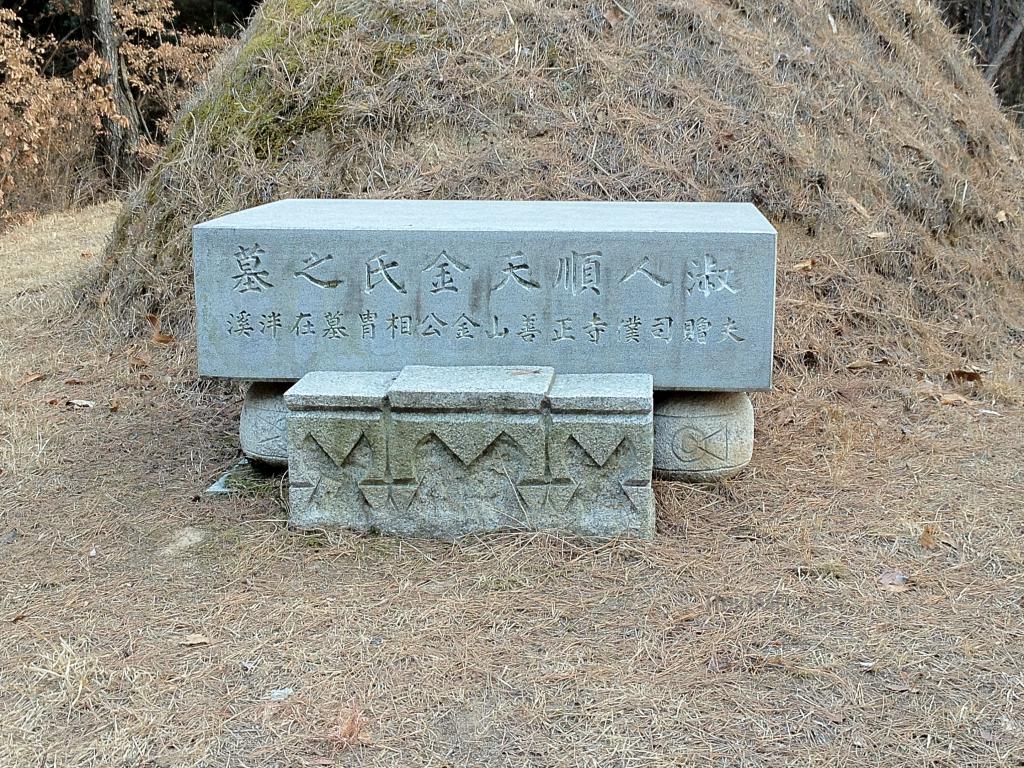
column 859, row 127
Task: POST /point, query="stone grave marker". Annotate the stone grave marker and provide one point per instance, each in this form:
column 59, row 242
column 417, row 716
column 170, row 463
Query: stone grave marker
column 683, row 291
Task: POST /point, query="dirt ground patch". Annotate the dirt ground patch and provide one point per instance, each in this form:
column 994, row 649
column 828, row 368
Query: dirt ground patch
column 769, row 623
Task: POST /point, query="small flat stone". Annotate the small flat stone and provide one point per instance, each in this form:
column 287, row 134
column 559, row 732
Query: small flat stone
column 337, row 389
column 500, row 388
column 609, row 393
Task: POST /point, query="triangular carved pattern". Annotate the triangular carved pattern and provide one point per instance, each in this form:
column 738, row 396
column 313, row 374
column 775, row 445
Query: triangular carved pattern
column 465, row 452
column 599, row 454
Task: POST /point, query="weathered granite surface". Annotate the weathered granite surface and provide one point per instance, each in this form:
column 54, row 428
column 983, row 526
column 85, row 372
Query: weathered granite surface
column 699, row 437
column 684, row 291
column 261, row 429
column 444, row 452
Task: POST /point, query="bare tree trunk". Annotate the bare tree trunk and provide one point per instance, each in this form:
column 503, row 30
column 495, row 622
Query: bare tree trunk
column 996, row 28
column 123, row 129
column 1006, row 49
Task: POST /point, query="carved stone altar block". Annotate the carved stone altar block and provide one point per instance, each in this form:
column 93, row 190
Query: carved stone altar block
column 444, row 452
column 337, row 445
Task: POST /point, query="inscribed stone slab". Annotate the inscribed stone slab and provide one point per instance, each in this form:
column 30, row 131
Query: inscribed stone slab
column 684, row 291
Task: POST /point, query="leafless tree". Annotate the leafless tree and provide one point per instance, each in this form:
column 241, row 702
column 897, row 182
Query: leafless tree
column 123, row 129
column 996, row 28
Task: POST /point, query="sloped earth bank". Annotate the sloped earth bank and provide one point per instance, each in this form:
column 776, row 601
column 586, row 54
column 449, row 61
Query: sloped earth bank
column 859, row 127
column 145, row 624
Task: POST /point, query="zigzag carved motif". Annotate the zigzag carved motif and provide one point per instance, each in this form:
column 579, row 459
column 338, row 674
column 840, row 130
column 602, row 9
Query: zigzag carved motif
column 469, row 451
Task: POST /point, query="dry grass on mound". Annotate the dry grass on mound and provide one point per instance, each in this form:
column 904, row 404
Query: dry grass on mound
column 143, row 624
column 858, row 126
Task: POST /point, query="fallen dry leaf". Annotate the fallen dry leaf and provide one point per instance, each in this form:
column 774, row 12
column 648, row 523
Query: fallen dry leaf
column 932, row 537
column 195, row 639
column 114, row 405
column 81, row 403
column 153, row 320
column 894, row 581
column 160, row 337
column 932, row 390
column 966, row 374
column 74, row 382
column 864, row 364
column 137, row 361
column 29, row 378
column 953, row 399
column 858, row 207
column 350, row 724
column 805, row 266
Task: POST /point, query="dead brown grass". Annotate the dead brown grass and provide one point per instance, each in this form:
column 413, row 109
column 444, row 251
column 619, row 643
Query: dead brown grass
column 144, row 624
column 855, row 597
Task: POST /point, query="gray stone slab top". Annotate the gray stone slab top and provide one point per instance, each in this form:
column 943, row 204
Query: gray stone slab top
column 602, row 392
column 338, row 389
column 499, row 388
column 497, row 216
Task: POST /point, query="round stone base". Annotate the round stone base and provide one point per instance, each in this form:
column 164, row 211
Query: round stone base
column 702, row 436
column 262, row 430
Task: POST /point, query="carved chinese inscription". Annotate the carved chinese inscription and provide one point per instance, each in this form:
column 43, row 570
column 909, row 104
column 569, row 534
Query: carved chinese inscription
column 251, row 276
column 381, row 269
column 308, row 271
column 517, row 270
column 692, row 307
column 577, row 273
column 708, row 279
column 443, row 270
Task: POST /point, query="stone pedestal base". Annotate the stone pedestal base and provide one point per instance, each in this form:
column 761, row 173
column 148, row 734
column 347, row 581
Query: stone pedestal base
column 261, row 429
column 444, row 452
column 702, row 436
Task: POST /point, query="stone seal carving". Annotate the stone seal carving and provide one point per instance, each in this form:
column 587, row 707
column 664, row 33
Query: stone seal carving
column 262, row 429
column 702, row 436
